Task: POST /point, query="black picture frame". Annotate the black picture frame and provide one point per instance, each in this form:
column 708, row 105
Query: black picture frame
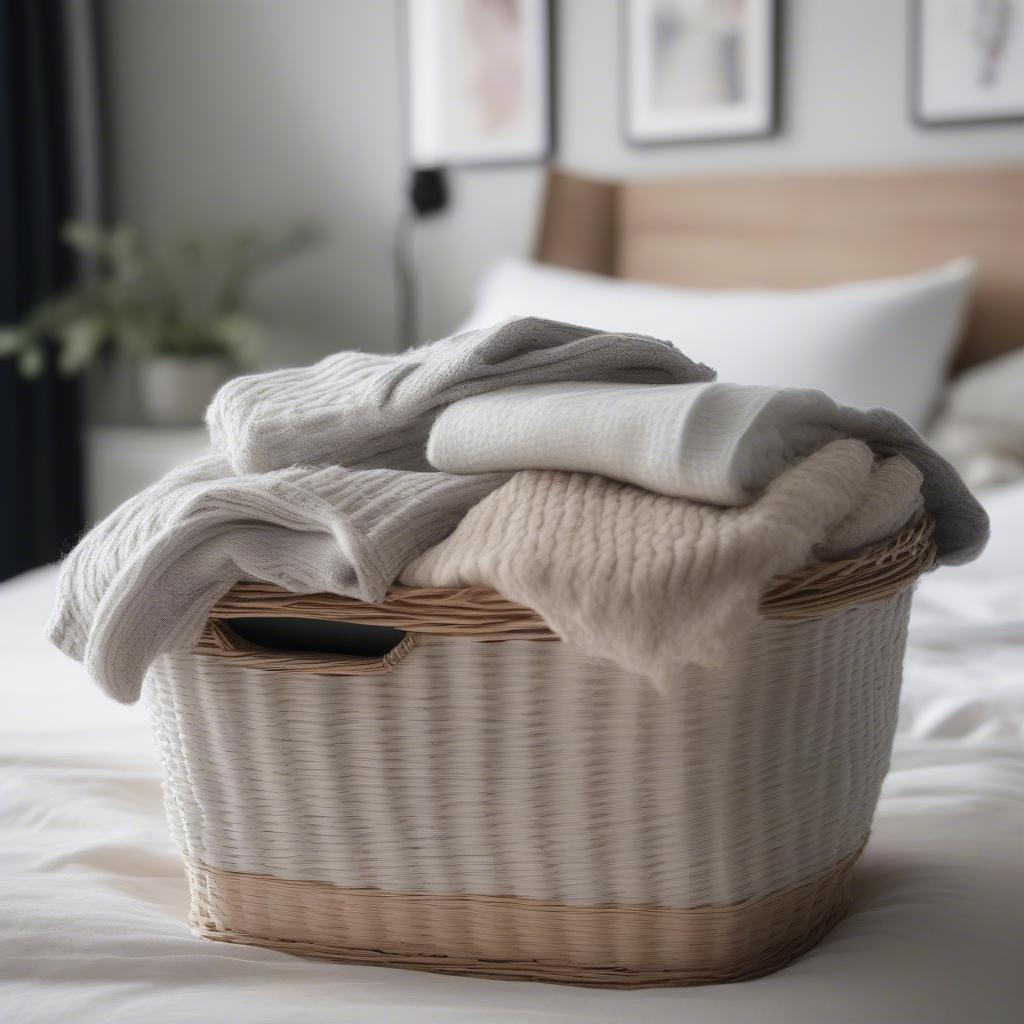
column 915, row 69
column 775, row 120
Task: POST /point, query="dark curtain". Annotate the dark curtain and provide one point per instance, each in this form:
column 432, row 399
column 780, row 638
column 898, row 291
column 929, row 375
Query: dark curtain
column 40, row 431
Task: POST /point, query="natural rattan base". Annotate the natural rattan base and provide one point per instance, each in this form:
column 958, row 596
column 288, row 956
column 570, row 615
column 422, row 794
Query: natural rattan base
column 531, row 940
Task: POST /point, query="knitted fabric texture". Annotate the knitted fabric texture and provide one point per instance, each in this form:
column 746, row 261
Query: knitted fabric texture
column 361, row 410
column 291, row 499
column 143, row 581
column 653, row 582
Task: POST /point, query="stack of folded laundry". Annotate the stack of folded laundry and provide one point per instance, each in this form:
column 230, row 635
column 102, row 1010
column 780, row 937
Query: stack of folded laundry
column 605, row 480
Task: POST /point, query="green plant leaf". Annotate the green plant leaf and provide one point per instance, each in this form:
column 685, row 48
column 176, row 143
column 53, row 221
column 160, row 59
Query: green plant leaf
column 86, row 238
column 80, row 342
column 123, row 246
column 31, row 362
column 12, row 340
column 241, row 336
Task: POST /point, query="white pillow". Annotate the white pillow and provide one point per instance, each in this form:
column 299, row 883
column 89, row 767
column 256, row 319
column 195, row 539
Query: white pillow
column 981, row 426
column 870, row 343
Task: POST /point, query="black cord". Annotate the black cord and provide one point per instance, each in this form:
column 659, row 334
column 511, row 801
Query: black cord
column 403, row 255
column 405, row 277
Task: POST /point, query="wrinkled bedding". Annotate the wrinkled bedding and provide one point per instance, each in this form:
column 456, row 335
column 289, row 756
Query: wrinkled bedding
column 92, row 897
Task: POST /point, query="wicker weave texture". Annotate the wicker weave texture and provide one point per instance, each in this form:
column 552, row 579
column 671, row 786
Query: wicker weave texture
column 507, row 937
column 480, row 612
column 523, row 768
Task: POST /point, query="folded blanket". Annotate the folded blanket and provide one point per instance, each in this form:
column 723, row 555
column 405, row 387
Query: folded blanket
column 312, row 517
column 654, row 582
column 361, row 410
column 714, row 442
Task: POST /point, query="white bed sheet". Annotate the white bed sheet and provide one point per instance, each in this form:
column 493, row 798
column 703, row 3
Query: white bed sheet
column 92, row 896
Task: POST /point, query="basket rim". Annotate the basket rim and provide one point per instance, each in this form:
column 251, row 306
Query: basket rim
column 876, row 573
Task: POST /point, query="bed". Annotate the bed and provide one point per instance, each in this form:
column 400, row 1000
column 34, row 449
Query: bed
column 92, row 893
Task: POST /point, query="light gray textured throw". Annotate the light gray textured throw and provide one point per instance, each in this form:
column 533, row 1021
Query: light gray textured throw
column 320, row 484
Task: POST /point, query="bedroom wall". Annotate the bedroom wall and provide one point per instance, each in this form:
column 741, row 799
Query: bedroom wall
column 228, row 111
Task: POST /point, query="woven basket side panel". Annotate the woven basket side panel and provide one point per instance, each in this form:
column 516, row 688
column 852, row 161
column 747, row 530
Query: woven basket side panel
column 512, row 937
column 525, row 768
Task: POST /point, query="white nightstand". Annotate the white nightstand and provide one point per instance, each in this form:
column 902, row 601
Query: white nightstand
column 121, row 461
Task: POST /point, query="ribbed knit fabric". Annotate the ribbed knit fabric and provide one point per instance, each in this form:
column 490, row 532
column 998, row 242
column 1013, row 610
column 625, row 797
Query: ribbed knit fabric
column 362, row 410
column 715, row 442
column 652, row 582
column 143, row 581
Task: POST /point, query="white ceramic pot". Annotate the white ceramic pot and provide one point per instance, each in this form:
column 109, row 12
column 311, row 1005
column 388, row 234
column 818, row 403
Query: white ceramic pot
column 175, row 390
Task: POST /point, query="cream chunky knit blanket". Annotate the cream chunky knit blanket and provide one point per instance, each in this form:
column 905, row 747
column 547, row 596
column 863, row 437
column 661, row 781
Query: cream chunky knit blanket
column 320, row 483
column 655, row 582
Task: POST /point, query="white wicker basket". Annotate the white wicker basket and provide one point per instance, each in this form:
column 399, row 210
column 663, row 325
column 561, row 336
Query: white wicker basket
column 487, row 800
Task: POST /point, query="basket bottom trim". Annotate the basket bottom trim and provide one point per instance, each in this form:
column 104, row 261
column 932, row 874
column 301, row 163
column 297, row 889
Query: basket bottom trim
column 512, row 938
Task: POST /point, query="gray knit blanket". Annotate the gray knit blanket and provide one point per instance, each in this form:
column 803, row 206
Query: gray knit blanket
column 319, row 484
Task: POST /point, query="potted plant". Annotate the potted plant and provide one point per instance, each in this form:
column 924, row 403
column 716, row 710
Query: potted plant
column 185, row 314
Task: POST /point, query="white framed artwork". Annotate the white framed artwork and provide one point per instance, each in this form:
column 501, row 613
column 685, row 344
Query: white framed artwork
column 700, row 69
column 479, row 81
column 967, row 61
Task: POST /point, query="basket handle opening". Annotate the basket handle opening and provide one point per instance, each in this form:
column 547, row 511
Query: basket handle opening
column 325, row 647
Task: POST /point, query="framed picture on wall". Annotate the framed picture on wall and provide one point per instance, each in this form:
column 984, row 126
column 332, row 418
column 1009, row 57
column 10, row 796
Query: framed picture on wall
column 967, row 61
column 479, row 81
column 700, row 69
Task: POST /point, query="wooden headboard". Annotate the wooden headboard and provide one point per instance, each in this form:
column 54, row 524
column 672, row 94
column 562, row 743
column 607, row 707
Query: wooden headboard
column 803, row 230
